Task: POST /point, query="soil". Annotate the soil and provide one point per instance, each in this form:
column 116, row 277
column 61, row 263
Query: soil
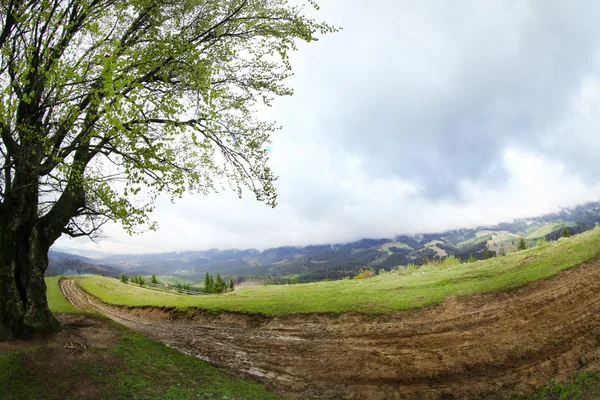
column 490, row 345
column 80, row 343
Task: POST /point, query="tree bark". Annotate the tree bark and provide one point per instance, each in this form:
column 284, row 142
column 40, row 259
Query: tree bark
column 24, row 260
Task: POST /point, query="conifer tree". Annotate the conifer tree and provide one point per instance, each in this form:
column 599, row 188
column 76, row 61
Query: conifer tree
column 566, row 232
column 522, row 245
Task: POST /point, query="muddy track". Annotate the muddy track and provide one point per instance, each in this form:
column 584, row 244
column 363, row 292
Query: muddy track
column 491, row 345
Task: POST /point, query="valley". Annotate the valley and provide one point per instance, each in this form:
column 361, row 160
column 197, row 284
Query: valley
column 333, row 261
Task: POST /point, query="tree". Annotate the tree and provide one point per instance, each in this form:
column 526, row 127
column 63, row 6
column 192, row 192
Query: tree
column 219, row 286
column 471, row 258
column 486, row 253
column 153, row 279
column 566, row 232
column 425, row 259
column 522, row 245
column 208, row 283
column 163, row 92
column 123, row 278
column 231, row 286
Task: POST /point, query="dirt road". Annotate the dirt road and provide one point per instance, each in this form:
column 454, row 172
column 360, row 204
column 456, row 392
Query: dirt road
column 496, row 344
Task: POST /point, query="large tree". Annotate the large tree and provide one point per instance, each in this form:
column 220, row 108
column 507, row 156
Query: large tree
column 105, row 104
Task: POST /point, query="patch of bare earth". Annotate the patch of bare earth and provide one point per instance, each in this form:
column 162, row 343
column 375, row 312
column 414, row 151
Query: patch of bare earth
column 78, row 344
column 496, row 344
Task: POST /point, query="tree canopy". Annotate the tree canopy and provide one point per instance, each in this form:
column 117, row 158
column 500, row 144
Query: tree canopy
column 156, row 95
column 105, row 104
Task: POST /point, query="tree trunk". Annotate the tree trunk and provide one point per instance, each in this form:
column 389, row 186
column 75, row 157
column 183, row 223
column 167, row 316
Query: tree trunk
column 23, row 262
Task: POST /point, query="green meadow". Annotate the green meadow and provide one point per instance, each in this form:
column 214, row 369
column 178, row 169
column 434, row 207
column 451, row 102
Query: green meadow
column 400, row 289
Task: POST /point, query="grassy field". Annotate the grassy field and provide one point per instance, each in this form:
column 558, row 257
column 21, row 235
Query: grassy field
column 135, row 368
column 383, row 293
column 474, row 241
column 130, row 367
column 56, row 301
column 547, row 228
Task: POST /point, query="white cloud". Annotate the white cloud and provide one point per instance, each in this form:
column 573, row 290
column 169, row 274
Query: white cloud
column 417, row 117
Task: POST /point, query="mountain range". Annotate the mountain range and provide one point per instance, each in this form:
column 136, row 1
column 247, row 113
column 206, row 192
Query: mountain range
column 336, row 261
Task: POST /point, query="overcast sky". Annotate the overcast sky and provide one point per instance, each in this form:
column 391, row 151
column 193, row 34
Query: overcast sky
column 418, row 116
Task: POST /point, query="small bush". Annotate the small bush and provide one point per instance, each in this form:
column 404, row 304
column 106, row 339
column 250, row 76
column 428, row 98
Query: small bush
column 450, row 261
column 405, row 270
column 365, row 273
column 540, row 242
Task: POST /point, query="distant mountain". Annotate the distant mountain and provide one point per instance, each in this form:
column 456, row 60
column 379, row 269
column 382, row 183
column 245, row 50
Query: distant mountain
column 60, row 263
column 335, row 261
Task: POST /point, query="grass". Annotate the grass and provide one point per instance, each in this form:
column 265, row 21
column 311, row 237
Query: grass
column 580, row 386
column 136, row 368
column 547, row 228
column 56, row 301
column 474, row 241
column 133, row 367
column 383, row 293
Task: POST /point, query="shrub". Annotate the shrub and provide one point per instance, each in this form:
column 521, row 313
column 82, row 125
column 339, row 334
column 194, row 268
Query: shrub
column 365, row 273
column 404, row 269
column 471, row 258
column 450, row 261
column 540, row 242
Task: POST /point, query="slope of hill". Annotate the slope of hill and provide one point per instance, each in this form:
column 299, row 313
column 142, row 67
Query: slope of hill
column 69, row 264
column 335, row 261
column 502, row 327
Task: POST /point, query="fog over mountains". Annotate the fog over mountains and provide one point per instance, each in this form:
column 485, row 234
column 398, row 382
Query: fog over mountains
column 335, row 261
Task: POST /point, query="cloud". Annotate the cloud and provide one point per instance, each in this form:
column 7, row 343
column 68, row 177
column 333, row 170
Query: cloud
column 418, row 116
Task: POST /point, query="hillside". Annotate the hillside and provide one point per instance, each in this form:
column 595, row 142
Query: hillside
column 335, row 261
column 399, row 289
column 488, row 329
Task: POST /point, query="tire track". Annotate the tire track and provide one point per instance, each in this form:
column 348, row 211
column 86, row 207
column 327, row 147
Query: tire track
column 499, row 343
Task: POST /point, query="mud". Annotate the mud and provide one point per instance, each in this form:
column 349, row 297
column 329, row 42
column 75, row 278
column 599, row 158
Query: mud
column 490, row 345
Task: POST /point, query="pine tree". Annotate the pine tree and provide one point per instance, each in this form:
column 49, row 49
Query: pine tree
column 211, row 284
column 231, row 287
column 123, row 278
column 566, row 232
column 153, row 279
column 486, row 253
column 425, row 259
column 522, row 245
column 219, row 284
column 471, row 258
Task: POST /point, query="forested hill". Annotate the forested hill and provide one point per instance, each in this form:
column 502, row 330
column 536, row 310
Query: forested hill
column 334, row 261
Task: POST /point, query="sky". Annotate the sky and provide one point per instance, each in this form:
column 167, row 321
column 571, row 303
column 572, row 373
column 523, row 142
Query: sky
column 419, row 116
